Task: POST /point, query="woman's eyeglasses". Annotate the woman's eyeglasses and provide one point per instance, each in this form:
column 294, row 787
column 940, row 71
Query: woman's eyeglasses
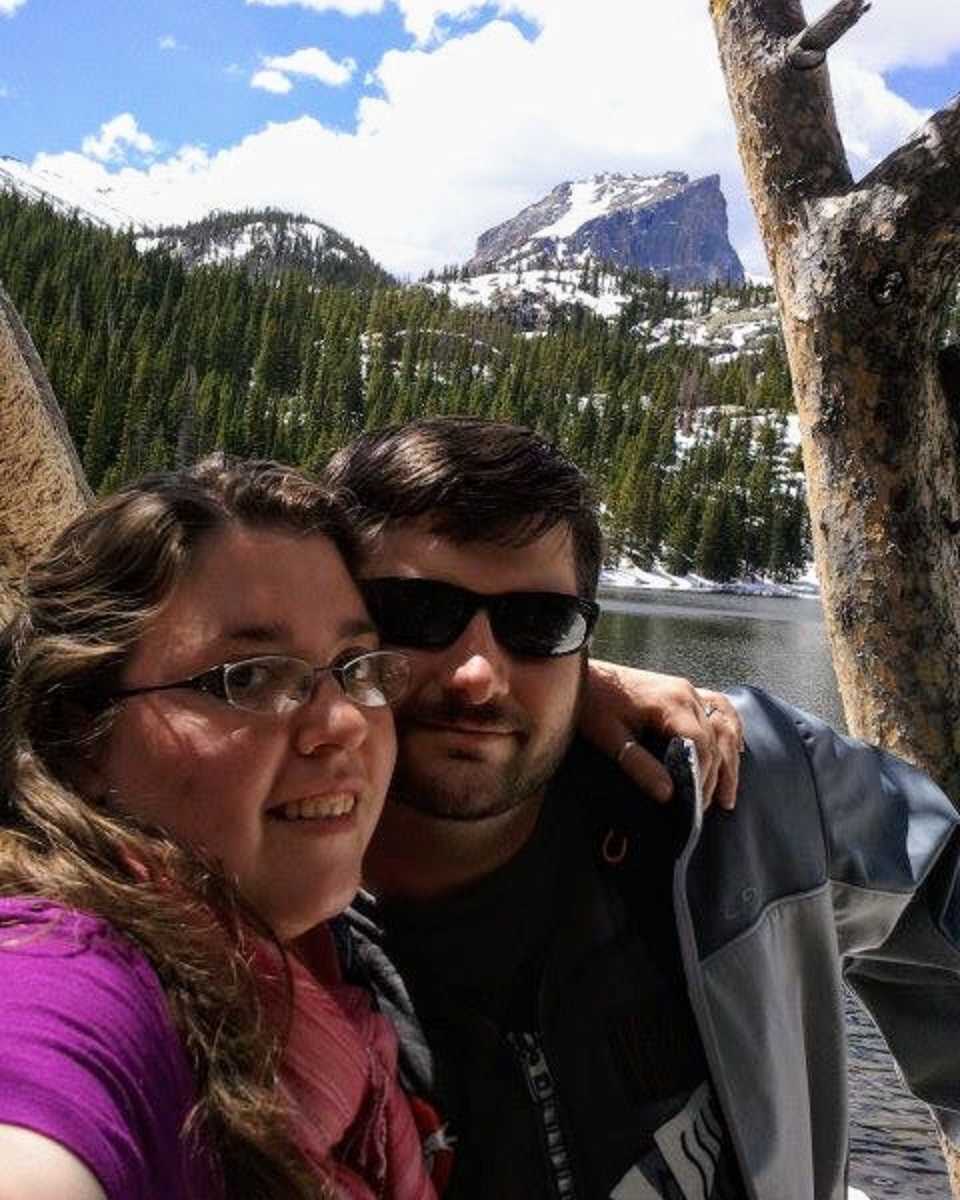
column 429, row 614
column 277, row 684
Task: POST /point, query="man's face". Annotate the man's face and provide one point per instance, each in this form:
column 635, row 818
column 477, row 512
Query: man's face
column 480, row 730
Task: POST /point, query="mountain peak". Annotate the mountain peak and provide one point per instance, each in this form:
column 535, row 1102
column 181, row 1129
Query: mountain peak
column 664, row 223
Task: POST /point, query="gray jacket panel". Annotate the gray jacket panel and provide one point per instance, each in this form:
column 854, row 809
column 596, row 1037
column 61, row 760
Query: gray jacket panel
column 839, row 860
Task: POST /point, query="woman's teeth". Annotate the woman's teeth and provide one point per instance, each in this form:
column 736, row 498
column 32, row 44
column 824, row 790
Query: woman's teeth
column 317, row 807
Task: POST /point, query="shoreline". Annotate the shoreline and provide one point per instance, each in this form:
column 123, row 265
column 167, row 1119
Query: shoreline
column 632, row 578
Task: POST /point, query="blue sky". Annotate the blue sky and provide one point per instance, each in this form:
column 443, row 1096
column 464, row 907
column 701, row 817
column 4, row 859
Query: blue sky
column 70, row 65
column 414, row 124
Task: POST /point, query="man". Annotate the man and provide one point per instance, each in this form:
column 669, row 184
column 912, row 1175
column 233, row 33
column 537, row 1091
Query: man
column 624, row 1001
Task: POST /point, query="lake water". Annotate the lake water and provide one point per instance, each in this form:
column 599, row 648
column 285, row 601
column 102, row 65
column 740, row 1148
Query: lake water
column 781, row 644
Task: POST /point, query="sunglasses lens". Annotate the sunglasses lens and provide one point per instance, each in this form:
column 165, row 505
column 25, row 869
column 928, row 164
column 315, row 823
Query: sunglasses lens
column 428, row 614
column 542, row 624
column 422, row 613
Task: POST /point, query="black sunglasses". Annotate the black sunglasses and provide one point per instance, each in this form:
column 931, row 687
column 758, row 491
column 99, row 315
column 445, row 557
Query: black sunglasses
column 429, row 614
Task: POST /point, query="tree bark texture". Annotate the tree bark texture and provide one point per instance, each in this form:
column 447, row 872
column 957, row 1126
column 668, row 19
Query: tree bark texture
column 863, row 272
column 42, row 486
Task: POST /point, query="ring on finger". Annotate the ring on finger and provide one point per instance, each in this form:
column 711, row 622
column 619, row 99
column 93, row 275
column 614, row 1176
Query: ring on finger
column 622, row 754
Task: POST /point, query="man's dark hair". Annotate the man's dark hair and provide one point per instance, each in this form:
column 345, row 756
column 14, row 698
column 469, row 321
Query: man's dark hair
column 476, row 481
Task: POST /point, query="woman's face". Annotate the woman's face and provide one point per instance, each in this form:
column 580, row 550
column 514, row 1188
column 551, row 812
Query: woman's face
column 286, row 804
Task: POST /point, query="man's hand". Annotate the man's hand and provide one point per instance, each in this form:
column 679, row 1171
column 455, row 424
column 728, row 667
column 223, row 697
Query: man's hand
column 622, row 701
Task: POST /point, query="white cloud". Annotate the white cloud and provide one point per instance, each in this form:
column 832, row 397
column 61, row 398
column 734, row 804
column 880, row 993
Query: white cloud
column 349, row 8
column 168, row 42
column 315, row 64
column 116, row 136
column 463, row 133
column 874, row 119
column 9, row 7
column 271, row 81
column 422, row 17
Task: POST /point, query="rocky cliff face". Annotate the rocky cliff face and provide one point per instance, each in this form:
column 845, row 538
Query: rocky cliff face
column 665, row 223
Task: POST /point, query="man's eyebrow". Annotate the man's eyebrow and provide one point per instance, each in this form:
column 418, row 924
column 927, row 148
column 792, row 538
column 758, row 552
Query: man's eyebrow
column 357, row 627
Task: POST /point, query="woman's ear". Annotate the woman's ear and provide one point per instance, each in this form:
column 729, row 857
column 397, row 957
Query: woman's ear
column 83, row 764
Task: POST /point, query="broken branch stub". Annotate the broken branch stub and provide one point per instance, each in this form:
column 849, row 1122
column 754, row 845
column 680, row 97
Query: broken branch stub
column 809, row 48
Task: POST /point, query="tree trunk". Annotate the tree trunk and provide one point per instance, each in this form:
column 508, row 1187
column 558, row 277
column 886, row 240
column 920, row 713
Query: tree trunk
column 863, row 273
column 42, row 486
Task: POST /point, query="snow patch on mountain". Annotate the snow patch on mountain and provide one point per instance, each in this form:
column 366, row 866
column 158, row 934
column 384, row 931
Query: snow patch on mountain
column 725, row 332
column 237, row 245
column 539, row 287
column 601, row 195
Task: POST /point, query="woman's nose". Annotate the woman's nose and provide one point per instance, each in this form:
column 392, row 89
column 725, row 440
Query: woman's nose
column 330, row 719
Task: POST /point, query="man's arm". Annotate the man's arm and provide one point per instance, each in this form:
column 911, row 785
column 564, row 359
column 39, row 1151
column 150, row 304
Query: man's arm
column 893, row 844
column 623, row 702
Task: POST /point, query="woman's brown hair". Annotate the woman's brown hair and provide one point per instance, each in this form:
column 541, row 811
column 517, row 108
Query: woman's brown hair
column 88, row 602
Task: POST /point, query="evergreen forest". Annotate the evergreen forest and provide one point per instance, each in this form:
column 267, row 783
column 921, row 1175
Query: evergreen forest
column 155, row 364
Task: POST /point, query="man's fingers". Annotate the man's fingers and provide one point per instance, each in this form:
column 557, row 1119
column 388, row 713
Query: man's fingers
column 726, row 731
column 646, row 771
column 622, row 699
column 717, row 702
column 708, row 756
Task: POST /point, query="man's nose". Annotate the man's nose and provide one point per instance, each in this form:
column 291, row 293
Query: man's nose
column 480, row 670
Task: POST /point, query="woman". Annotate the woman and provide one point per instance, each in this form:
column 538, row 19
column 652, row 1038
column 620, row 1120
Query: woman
column 197, row 745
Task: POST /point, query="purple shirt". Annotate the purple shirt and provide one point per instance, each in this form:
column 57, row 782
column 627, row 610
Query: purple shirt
column 89, row 1055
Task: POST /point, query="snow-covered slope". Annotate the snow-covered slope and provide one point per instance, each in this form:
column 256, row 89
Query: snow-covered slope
column 725, row 326
column 267, row 242
column 66, row 196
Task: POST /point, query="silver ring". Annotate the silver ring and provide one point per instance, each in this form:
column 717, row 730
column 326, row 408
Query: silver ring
column 709, row 709
column 627, row 745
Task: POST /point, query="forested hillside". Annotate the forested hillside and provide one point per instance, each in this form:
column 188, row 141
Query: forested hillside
column 154, row 364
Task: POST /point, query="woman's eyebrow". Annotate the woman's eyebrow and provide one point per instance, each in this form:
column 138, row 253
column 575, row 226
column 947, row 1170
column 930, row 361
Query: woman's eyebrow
column 260, row 633
column 271, row 632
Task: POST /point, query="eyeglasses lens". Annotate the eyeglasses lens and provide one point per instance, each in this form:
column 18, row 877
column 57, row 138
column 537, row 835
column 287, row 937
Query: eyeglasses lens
column 276, row 684
column 375, row 680
column 272, row 684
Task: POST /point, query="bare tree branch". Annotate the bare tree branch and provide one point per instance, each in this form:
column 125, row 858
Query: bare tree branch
column 786, row 123
column 925, row 172
column 809, row 48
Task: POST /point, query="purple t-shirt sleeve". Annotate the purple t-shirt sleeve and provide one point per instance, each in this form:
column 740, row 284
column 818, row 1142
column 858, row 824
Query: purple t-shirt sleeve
column 89, row 1055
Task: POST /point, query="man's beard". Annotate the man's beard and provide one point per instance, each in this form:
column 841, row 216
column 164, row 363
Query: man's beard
column 460, row 786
